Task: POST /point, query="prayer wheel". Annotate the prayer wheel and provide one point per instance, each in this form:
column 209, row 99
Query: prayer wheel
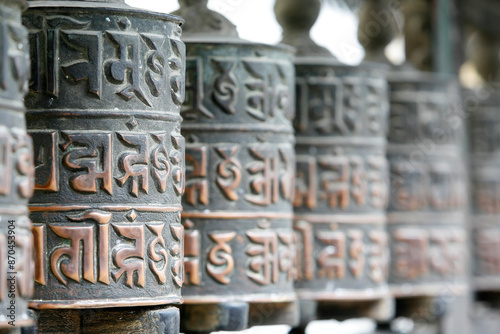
column 104, row 113
column 240, row 163
column 341, row 177
column 426, row 215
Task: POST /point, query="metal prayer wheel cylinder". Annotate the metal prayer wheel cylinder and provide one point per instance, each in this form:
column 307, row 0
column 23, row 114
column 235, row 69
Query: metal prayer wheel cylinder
column 16, row 171
column 426, row 215
column 103, row 110
column 342, row 188
column 240, row 163
column 485, row 209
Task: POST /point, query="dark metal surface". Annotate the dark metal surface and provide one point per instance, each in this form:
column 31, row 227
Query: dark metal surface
column 341, row 178
column 16, row 171
column 239, row 242
column 426, row 215
column 342, row 184
column 484, row 168
column 103, row 111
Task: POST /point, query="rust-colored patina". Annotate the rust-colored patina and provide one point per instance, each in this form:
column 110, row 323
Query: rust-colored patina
column 341, row 177
column 103, row 110
column 239, row 241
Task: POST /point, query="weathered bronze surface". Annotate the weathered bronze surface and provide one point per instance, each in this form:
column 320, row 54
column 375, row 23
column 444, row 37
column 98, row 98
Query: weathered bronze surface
column 239, row 241
column 485, row 199
column 341, row 178
column 103, row 111
column 426, row 208
column 16, row 171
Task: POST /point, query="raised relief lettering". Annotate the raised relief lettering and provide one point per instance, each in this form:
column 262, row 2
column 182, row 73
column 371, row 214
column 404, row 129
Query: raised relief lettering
column 177, row 71
column 196, row 173
column 193, row 106
column 374, row 104
column 335, row 181
column 379, row 256
column 23, row 148
column 155, row 75
column 378, row 180
column 229, row 171
column 102, row 219
column 157, row 253
column 125, row 69
column 352, row 103
column 225, row 87
column 356, row 252
column 177, row 160
column 134, row 165
column 358, row 180
column 264, row 185
column 268, row 94
column 408, row 189
column 220, row 260
column 287, row 173
column 14, row 59
column 410, row 251
column 159, row 162
column 90, row 153
column 87, row 43
column 305, row 256
column 324, row 106
column 191, row 254
column 306, row 182
column 287, row 256
column 46, row 164
column 264, row 264
column 66, row 261
column 130, row 260
column 177, row 255
column 445, row 253
column 331, row 258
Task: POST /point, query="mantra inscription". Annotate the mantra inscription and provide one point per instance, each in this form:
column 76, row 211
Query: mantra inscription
column 16, row 172
column 260, row 256
column 426, row 208
column 485, row 190
column 104, row 115
column 341, row 188
column 240, row 166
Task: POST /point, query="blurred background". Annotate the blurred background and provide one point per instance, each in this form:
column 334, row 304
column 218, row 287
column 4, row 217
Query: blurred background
column 336, row 28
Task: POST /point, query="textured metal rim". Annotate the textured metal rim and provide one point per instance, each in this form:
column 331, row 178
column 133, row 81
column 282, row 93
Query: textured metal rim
column 102, row 7
column 83, row 304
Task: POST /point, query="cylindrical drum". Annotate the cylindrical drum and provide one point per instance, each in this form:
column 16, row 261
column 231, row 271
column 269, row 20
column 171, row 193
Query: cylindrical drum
column 485, row 189
column 240, row 164
column 16, row 171
column 103, row 111
column 426, row 215
column 341, row 188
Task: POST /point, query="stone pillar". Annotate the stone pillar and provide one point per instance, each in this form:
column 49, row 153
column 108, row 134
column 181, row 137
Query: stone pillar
column 341, row 179
column 16, row 172
column 103, row 111
column 240, row 162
